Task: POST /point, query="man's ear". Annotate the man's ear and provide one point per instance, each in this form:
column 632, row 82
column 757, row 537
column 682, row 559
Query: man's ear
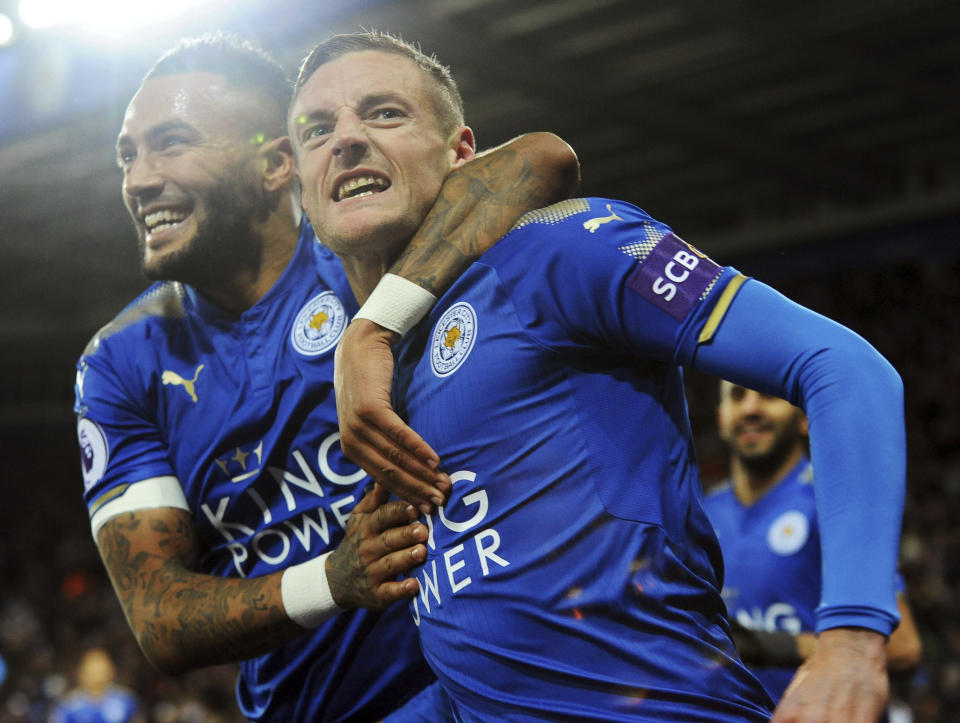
column 463, row 145
column 277, row 163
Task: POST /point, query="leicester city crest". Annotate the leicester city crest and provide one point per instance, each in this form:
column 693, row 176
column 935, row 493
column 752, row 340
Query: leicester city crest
column 453, row 338
column 319, row 325
column 788, row 533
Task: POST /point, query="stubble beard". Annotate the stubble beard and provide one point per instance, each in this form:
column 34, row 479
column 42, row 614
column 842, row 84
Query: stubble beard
column 764, row 462
column 224, row 241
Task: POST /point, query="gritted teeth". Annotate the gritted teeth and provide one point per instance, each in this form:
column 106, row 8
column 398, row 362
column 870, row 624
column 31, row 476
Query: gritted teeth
column 361, row 186
column 163, row 218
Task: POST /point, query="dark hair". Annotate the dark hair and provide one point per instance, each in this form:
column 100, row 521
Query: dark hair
column 243, row 64
column 447, row 99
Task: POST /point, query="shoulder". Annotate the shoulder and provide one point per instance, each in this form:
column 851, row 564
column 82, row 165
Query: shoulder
column 720, row 492
column 579, row 229
column 799, row 481
column 585, row 217
column 166, row 300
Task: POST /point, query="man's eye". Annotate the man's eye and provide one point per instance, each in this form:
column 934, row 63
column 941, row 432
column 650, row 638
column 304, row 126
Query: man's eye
column 317, row 132
column 171, row 141
column 125, row 158
column 387, row 114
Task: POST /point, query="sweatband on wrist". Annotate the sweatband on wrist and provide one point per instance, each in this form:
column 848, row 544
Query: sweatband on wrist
column 396, row 304
column 305, row 593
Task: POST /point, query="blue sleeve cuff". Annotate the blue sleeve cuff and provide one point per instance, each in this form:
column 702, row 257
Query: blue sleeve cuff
column 879, row 621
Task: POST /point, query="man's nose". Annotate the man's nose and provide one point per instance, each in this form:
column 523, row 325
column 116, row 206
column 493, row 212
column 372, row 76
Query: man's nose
column 751, row 403
column 351, row 141
column 142, row 179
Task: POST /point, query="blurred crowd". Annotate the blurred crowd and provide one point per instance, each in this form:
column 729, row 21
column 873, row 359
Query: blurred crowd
column 56, row 603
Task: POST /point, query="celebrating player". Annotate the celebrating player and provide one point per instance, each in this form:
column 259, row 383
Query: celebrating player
column 766, row 519
column 219, row 498
column 573, row 573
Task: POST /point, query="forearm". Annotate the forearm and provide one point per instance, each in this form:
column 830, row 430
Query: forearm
column 479, row 203
column 183, row 619
column 855, row 399
column 904, row 648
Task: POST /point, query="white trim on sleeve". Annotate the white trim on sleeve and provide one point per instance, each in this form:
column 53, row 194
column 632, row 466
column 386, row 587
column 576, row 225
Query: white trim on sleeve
column 146, row 494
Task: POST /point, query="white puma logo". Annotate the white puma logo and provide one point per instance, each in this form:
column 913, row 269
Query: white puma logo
column 169, row 377
column 594, row 223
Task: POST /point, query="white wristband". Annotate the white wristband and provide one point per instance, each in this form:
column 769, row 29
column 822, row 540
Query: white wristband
column 397, row 304
column 305, row 593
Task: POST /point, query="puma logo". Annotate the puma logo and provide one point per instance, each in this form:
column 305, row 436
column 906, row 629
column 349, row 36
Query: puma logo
column 594, row 223
column 169, row 377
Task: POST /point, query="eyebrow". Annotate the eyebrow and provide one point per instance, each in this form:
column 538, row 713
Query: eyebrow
column 365, row 104
column 377, row 98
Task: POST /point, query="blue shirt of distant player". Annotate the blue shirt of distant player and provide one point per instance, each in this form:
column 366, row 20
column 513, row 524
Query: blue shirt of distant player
column 771, row 555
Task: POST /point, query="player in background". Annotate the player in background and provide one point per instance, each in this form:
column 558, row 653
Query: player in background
column 97, row 696
column 231, row 525
column 765, row 517
column 573, row 573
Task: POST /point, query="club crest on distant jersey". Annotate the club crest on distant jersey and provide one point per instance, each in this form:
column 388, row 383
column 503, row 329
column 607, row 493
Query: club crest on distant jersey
column 94, row 452
column 319, row 325
column 453, row 338
column 788, row 533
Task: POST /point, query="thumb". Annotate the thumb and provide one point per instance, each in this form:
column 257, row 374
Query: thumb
column 375, row 496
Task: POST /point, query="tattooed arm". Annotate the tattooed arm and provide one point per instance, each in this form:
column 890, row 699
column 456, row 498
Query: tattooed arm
column 478, row 203
column 184, row 619
column 481, row 201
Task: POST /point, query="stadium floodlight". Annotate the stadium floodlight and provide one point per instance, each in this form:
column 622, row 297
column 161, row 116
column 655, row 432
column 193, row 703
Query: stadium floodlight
column 6, row 30
column 42, row 13
column 108, row 17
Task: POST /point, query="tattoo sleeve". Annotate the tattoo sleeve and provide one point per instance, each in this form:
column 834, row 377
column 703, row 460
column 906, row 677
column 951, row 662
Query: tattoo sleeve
column 183, row 619
column 480, row 201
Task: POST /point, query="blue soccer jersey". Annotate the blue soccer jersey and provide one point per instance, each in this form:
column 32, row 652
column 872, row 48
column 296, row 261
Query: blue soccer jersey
column 232, row 418
column 573, row 574
column 771, row 554
column 115, row 705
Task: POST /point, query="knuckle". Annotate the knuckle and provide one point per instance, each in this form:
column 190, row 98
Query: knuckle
column 365, row 411
column 395, row 455
column 389, row 475
column 389, row 566
column 387, row 540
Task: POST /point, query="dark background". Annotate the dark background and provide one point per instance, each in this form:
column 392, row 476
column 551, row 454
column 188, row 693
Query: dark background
column 815, row 145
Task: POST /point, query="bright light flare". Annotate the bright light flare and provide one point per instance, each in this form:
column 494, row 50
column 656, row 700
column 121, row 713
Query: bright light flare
column 39, row 14
column 6, row 30
column 114, row 18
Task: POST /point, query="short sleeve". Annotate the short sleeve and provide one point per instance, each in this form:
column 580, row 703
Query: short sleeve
column 604, row 274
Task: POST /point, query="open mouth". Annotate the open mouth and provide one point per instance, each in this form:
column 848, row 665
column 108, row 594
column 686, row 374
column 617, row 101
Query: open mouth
column 753, row 431
column 360, row 186
column 160, row 221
